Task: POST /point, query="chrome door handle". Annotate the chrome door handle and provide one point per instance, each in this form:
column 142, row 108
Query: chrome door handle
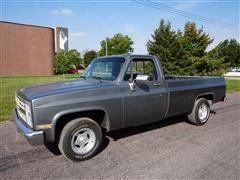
column 157, row 84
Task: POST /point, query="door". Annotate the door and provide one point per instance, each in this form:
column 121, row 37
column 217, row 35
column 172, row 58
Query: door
column 148, row 103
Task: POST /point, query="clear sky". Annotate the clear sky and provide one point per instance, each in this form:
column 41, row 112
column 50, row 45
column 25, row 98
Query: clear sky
column 90, row 21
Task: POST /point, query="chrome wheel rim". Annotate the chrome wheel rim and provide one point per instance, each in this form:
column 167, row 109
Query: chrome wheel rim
column 83, row 141
column 203, row 112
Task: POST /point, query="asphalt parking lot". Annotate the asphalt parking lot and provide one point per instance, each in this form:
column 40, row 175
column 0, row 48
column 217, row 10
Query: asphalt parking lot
column 171, row 149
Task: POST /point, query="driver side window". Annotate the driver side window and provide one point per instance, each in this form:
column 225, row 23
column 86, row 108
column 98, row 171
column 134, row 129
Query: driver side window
column 141, row 67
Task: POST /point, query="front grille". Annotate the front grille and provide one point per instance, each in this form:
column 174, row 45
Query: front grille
column 21, row 110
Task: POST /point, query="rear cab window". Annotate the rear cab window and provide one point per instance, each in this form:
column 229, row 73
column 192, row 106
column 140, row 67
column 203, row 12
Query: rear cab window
column 141, row 67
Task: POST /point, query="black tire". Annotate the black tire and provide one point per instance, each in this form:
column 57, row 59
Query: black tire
column 70, row 129
column 194, row 117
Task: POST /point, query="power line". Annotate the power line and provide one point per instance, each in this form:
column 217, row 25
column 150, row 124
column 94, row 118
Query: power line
column 183, row 13
column 191, row 15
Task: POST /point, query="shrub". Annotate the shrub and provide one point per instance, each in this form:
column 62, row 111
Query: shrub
column 65, row 60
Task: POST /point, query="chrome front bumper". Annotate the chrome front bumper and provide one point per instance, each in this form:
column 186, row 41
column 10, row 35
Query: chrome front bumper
column 34, row 137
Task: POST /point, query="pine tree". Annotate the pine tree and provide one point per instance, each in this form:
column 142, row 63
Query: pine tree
column 184, row 53
column 196, row 40
column 165, row 46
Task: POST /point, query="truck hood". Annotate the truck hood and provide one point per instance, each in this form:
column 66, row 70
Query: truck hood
column 42, row 90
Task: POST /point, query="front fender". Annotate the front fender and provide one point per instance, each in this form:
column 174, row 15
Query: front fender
column 50, row 133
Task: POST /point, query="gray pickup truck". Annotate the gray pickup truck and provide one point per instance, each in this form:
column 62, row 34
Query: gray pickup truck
column 114, row 92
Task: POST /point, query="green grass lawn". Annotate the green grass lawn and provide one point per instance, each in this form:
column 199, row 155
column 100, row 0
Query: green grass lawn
column 8, row 86
column 233, row 86
column 232, row 77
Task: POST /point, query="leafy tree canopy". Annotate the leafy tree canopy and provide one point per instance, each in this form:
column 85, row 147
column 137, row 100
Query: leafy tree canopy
column 89, row 56
column 64, row 60
column 206, row 66
column 118, row 44
column 229, row 50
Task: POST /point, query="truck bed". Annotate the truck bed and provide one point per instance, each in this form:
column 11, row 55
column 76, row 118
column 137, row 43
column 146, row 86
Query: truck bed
column 200, row 81
column 183, row 90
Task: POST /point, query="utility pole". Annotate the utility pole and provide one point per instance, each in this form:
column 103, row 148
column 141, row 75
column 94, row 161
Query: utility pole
column 106, row 48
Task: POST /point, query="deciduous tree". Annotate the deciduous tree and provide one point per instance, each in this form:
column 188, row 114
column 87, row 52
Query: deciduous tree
column 89, row 56
column 63, row 60
column 229, row 50
column 118, row 44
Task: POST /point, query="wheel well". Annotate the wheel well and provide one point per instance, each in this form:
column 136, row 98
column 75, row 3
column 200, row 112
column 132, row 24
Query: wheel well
column 209, row 97
column 97, row 115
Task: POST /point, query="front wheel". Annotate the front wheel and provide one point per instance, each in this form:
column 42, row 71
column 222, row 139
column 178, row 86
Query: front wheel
column 200, row 113
column 80, row 139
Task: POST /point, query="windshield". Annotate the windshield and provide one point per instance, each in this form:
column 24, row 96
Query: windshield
column 104, row 68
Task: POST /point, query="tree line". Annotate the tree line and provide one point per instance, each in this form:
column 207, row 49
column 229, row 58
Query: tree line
column 180, row 52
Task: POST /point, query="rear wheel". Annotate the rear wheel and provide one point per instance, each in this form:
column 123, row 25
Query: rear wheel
column 200, row 112
column 80, row 139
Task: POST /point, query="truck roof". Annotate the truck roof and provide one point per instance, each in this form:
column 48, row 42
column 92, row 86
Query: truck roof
column 127, row 56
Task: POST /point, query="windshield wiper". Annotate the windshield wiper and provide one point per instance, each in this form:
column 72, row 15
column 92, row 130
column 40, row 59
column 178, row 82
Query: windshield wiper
column 96, row 77
column 84, row 77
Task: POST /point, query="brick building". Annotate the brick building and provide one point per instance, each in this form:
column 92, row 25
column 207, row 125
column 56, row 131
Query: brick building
column 26, row 50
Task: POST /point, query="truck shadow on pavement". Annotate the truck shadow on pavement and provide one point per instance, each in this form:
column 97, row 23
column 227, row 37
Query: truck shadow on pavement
column 119, row 134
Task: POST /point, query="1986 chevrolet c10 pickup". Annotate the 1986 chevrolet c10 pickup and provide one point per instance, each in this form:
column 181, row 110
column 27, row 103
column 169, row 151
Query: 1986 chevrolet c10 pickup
column 114, row 92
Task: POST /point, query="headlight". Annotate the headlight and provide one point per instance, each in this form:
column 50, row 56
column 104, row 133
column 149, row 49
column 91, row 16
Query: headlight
column 28, row 114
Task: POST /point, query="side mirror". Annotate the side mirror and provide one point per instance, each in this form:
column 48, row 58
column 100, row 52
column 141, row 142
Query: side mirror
column 143, row 78
column 139, row 78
